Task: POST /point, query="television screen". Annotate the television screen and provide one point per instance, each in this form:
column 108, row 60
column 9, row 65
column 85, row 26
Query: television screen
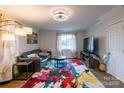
column 86, row 44
column 96, row 48
column 91, row 45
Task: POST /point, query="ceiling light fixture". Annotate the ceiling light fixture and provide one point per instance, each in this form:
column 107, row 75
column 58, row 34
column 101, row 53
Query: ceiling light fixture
column 23, row 31
column 60, row 15
column 28, row 30
column 20, row 32
column 8, row 37
column 6, row 27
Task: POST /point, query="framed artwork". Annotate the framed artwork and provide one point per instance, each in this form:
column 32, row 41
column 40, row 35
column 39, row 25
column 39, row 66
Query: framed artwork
column 32, row 38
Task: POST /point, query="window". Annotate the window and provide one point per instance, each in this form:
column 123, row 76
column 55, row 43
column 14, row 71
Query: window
column 66, row 41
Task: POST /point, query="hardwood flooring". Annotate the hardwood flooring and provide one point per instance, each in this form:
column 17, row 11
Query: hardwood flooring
column 106, row 79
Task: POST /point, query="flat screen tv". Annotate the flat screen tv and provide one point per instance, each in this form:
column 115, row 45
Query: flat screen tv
column 86, row 44
column 91, row 45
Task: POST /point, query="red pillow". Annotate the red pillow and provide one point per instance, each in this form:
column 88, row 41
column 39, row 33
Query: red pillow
column 44, row 50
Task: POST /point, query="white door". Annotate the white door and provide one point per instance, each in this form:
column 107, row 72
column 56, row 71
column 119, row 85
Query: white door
column 116, row 48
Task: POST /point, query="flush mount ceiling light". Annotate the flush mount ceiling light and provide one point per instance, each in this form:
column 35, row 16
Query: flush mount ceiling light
column 60, row 15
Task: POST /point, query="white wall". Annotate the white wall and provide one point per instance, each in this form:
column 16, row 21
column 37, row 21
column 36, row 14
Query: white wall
column 101, row 30
column 22, row 45
column 80, row 36
column 48, row 41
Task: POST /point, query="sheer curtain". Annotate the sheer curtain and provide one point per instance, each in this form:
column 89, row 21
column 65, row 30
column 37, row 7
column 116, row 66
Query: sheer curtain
column 7, row 54
column 67, row 41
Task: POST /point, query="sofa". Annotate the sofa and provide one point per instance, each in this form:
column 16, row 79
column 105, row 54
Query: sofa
column 40, row 58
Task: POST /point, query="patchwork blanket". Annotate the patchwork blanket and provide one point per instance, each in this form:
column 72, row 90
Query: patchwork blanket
column 73, row 75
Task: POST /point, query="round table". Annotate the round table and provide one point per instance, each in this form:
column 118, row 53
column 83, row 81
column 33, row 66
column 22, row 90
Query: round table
column 60, row 61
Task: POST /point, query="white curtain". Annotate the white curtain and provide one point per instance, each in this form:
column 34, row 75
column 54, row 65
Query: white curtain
column 7, row 55
column 67, row 41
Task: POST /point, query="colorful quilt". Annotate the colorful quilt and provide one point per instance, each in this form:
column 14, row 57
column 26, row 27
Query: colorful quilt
column 73, row 75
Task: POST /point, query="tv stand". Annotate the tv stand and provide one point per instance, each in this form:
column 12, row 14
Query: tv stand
column 90, row 59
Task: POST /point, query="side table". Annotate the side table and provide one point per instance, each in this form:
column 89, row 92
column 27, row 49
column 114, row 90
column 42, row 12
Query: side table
column 21, row 70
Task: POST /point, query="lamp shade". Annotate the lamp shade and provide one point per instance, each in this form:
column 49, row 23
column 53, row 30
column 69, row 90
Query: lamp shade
column 8, row 37
column 20, row 32
column 28, row 30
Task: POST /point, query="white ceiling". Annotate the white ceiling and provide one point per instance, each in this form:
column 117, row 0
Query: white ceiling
column 40, row 16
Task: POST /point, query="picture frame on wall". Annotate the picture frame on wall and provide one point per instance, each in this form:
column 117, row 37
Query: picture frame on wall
column 32, row 38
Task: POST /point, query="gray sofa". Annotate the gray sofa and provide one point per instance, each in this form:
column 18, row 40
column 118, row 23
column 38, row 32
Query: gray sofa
column 40, row 61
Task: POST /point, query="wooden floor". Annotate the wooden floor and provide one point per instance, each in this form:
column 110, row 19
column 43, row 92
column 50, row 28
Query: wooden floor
column 107, row 80
column 13, row 84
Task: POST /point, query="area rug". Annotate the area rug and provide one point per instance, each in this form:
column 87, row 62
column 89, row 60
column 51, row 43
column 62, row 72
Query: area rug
column 72, row 74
